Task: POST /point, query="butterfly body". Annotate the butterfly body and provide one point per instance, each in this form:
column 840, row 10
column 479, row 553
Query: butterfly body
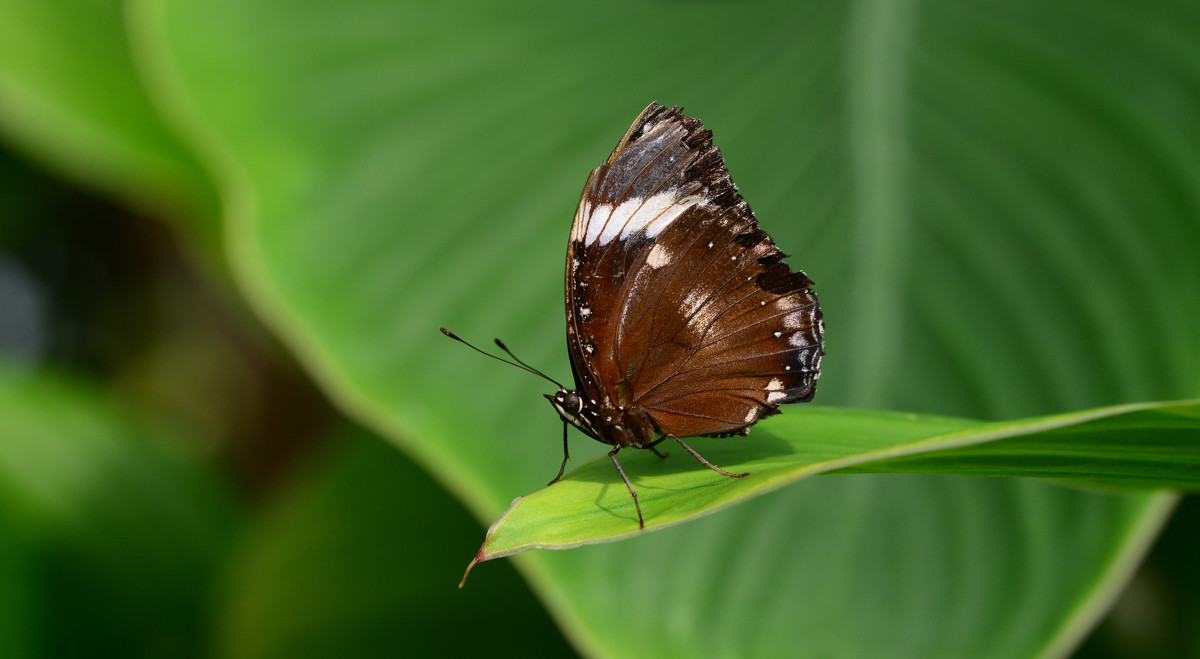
column 623, row 428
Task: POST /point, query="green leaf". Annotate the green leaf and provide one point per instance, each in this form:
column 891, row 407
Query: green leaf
column 71, row 96
column 996, row 201
column 872, row 565
column 1148, row 446
column 17, row 591
column 120, row 532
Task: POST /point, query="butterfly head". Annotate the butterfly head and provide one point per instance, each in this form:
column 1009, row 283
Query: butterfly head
column 570, row 406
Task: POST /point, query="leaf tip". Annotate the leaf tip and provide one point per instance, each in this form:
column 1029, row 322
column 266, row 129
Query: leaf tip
column 482, row 555
column 479, row 558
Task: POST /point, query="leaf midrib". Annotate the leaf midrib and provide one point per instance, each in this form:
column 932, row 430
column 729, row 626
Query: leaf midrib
column 878, row 38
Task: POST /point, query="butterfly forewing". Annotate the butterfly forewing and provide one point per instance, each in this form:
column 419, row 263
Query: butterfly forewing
column 678, row 305
column 639, row 191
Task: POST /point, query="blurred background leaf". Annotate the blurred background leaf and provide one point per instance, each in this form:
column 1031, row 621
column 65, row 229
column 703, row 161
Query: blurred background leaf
column 69, row 96
column 997, row 200
column 121, row 533
column 358, row 557
column 107, row 295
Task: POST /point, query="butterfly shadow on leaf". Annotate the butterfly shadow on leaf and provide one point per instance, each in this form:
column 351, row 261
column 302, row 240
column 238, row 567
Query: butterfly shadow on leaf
column 663, row 483
column 653, row 472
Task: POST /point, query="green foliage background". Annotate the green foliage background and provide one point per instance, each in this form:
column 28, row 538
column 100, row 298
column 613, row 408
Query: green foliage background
column 998, row 201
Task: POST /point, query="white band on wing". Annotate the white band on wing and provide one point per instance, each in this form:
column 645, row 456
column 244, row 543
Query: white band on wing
column 635, row 215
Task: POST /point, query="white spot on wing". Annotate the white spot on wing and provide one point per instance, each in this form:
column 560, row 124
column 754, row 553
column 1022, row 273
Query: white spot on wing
column 659, row 256
column 582, row 214
column 636, row 214
column 692, row 301
column 672, row 209
column 622, row 217
column 793, row 320
column 702, row 319
column 594, row 220
column 774, row 391
column 751, row 415
column 700, row 314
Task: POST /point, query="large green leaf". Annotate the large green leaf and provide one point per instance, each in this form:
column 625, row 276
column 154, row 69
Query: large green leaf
column 997, row 202
column 116, row 534
column 69, row 94
column 1142, row 446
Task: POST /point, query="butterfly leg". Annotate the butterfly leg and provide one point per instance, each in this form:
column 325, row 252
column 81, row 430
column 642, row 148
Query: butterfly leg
column 652, row 446
column 566, row 456
column 704, row 462
column 613, row 454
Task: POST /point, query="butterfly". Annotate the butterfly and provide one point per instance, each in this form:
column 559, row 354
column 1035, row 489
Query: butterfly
column 683, row 319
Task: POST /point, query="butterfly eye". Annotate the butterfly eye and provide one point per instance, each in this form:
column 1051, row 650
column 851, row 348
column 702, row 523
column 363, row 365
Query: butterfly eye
column 572, row 403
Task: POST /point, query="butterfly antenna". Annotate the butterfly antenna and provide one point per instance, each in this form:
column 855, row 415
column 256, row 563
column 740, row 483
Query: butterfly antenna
column 521, row 361
column 518, row 363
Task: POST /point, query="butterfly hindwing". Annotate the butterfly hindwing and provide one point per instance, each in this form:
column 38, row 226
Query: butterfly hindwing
column 724, row 348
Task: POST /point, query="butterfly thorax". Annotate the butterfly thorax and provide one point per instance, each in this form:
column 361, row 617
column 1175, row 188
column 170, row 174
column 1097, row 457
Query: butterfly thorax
column 604, row 423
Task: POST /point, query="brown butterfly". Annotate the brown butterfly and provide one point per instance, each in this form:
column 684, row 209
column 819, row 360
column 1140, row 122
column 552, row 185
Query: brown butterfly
column 682, row 318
